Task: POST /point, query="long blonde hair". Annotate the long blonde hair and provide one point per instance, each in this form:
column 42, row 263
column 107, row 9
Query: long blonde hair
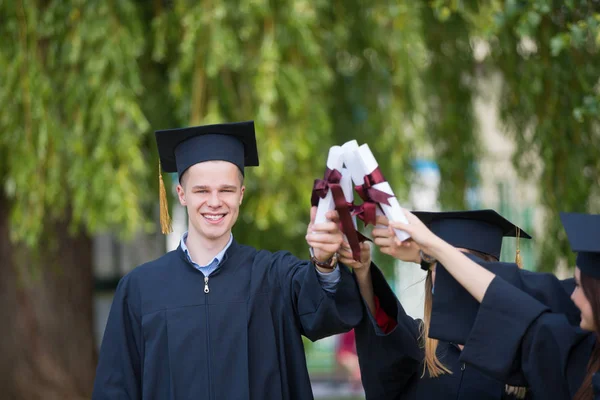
column 432, row 363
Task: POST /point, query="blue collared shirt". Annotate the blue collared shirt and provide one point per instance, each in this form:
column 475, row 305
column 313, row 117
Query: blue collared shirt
column 328, row 281
column 214, row 264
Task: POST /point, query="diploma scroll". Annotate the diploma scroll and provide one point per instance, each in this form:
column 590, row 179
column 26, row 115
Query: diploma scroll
column 348, row 188
column 330, row 195
column 335, row 161
column 369, row 210
column 379, row 190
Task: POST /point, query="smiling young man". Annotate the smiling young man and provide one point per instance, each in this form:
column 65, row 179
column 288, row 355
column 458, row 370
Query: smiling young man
column 215, row 319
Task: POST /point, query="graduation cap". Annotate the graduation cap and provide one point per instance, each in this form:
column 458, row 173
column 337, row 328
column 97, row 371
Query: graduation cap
column 583, row 231
column 478, row 230
column 179, row 149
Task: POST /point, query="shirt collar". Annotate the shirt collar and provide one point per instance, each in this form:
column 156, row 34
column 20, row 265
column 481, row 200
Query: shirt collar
column 218, row 258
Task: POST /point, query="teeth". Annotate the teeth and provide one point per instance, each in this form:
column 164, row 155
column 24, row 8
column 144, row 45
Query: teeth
column 214, row 217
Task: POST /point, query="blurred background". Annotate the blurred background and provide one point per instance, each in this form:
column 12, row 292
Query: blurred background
column 465, row 104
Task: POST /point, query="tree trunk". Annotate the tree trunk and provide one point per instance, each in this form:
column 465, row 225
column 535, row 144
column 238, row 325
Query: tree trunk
column 47, row 348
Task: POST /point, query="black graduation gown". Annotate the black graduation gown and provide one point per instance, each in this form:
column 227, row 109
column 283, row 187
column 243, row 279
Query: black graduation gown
column 449, row 296
column 551, row 353
column 168, row 339
column 392, row 364
column 596, row 385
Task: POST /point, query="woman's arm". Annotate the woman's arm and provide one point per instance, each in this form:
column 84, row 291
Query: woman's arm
column 361, row 271
column 474, row 278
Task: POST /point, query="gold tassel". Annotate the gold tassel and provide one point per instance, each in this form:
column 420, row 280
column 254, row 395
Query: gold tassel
column 518, row 260
column 165, row 218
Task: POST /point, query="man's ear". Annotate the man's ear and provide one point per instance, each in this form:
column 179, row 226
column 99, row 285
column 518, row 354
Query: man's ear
column 243, row 189
column 181, row 195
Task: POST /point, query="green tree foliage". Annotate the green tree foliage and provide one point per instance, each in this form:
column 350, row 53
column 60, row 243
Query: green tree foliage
column 87, row 83
column 547, row 55
column 449, row 82
column 71, row 122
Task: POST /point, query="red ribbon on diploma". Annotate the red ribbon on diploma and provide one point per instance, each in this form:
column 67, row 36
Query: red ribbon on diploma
column 331, row 181
column 370, row 196
column 321, row 186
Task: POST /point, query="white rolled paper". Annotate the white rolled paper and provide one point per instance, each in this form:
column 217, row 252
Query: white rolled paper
column 335, row 160
column 348, row 188
column 393, row 212
column 353, row 163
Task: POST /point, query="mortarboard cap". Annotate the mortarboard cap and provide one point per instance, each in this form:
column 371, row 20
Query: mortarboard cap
column 454, row 310
column 179, row 149
column 479, row 230
column 583, row 231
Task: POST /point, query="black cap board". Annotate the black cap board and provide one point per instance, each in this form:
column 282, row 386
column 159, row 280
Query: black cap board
column 583, row 231
column 479, row 230
column 181, row 148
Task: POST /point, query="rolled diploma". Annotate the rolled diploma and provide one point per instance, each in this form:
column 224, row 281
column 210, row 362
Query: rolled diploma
column 335, row 160
column 348, row 188
column 393, row 212
column 353, row 163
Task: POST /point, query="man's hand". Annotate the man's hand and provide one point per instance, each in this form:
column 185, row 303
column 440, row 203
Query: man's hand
column 325, row 238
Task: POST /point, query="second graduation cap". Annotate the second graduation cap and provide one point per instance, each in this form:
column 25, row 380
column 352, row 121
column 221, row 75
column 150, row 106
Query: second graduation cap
column 454, row 309
column 478, row 230
column 583, row 231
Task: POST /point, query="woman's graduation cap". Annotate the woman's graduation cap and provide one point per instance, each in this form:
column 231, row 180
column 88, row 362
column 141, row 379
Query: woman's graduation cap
column 179, row 149
column 478, row 230
column 454, row 310
column 583, row 231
